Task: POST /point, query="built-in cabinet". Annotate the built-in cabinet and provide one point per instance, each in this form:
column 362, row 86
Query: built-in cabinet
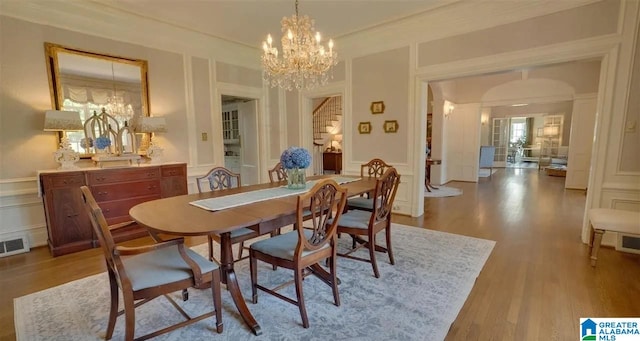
column 230, row 126
column 115, row 190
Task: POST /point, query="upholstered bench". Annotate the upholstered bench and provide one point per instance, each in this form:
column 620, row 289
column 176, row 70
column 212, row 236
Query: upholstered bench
column 608, row 219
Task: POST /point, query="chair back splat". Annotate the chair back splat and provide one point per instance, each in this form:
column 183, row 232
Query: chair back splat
column 143, row 273
column 374, row 168
column 219, row 178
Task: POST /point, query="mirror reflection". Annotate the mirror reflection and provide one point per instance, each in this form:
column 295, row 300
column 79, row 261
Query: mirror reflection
column 104, row 89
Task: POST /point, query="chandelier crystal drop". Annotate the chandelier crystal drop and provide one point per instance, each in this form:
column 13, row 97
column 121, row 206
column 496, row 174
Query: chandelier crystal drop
column 116, row 105
column 305, row 63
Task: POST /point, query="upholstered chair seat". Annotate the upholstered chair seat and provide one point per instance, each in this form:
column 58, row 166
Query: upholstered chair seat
column 356, row 219
column 284, row 245
column 162, row 266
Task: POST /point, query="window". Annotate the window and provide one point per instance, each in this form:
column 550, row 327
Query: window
column 517, row 131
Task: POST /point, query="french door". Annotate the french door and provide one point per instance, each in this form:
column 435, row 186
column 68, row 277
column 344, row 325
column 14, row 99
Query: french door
column 500, row 140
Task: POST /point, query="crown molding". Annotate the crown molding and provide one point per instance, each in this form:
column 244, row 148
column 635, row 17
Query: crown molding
column 549, row 54
column 107, row 22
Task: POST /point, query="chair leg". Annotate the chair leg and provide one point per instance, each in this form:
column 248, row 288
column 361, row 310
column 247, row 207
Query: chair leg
column 217, row 299
column 596, row 246
column 210, row 240
column 334, row 279
column 113, row 310
column 240, row 250
column 129, row 316
column 372, row 255
column 300, row 295
column 253, row 268
column 389, row 250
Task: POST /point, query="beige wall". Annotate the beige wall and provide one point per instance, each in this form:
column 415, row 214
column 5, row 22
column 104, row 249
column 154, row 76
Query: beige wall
column 381, row 77
column 202, row 109
column 630, row 158
column 587, row 21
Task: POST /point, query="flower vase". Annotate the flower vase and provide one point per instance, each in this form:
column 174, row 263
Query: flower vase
column 296, row 178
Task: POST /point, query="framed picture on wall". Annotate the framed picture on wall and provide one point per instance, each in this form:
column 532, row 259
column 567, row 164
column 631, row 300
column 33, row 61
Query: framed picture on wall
column 364, row 127
column 390, row 126
column 377, row 107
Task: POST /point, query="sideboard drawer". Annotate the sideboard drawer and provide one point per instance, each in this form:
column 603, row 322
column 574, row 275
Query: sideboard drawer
column 178, row 170
column 64, row 180
column 124, row 174
column 120, row 208
column 125, row 190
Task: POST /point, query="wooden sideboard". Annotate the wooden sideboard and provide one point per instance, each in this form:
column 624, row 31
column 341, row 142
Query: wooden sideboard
column 332, row 161
column 116, row 190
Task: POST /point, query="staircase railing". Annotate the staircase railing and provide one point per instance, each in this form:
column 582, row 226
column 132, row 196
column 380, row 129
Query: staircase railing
column 324, row 115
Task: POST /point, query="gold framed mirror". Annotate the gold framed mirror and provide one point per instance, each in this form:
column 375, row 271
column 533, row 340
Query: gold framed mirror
column 93, row 84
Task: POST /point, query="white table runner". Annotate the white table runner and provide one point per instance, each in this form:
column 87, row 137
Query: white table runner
column 233, row 200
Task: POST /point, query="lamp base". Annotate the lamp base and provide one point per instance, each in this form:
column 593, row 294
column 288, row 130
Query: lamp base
column 66, row 157
column 155, row 153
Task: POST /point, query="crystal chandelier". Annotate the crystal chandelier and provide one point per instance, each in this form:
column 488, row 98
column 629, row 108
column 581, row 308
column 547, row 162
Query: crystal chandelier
column 305, row 62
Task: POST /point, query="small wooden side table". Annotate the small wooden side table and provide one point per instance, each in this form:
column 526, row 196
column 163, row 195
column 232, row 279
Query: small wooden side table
column 427, row 177
column 332, row 161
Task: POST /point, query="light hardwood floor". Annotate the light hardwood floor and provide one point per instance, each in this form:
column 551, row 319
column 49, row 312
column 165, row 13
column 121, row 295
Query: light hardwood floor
column 536, row 284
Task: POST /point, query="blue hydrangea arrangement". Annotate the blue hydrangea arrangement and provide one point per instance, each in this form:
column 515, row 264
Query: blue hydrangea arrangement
column 295, row 157
column 102, row 142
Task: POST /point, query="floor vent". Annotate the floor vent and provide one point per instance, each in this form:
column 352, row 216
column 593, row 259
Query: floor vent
column 628, row 243
column 14, row 246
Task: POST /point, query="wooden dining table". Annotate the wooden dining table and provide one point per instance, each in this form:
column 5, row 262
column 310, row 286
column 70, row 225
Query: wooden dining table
column 176, row 216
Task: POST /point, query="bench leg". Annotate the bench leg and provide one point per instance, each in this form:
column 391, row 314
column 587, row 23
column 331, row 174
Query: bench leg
column 595, row 244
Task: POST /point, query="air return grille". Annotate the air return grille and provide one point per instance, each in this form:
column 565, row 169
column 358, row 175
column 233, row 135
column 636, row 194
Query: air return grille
column 14, row 246
column 628, row 243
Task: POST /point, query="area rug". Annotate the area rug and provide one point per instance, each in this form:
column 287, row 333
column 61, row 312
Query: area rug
column 443, row 191
column 416, row 299
column 484, row 172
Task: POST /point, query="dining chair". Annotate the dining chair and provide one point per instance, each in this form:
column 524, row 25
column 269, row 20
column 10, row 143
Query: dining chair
column 358, row 223
column 277, row 173
column 372, row 169
column 302, row 249
column 220, row 178
column 145, row 272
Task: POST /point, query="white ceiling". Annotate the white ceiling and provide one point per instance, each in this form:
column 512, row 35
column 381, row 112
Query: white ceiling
column 249, row 21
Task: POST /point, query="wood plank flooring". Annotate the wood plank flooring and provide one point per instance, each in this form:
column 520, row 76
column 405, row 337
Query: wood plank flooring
column 536, row 284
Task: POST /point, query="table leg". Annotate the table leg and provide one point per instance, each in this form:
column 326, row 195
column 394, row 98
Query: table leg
column 226, row 260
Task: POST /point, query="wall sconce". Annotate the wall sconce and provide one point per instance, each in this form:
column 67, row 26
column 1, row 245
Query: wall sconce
column 448, row 110
column 150, row 125
column 63, row 121
column 484, row 120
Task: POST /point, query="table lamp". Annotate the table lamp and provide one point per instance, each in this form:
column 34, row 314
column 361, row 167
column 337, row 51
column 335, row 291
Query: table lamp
column 63, row 121
column 151, row 125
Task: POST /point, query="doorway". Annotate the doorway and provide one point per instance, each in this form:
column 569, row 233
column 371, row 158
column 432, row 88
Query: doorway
column 240, row 137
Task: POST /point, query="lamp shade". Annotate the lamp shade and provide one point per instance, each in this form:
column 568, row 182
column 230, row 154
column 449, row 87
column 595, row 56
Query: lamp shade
column 152, row 125
column 56, row 120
